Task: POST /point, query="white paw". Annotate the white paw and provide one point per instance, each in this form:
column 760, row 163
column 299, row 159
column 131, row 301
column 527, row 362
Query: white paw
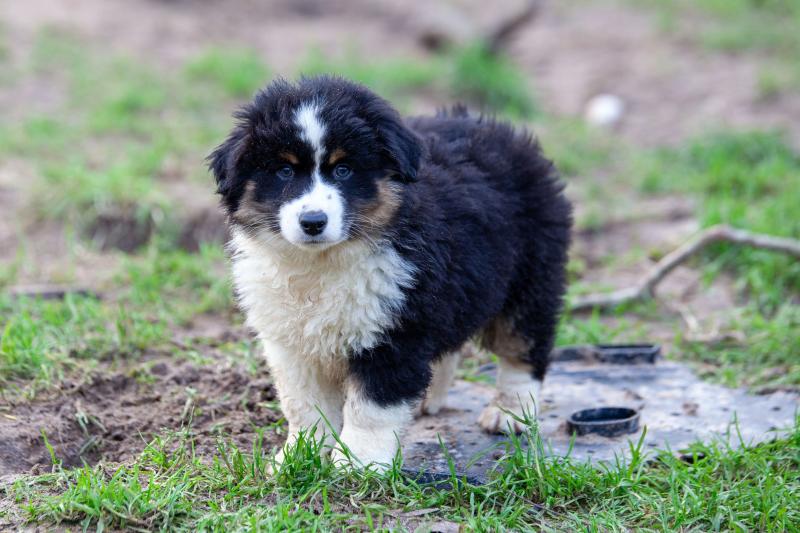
column 431, row 406
column 362, row 457
column 275, row 465
column 340, row 459
column 495, row 419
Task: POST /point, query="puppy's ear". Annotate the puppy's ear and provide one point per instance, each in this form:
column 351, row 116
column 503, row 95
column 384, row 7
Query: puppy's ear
column 222, row 161
column 403, row 149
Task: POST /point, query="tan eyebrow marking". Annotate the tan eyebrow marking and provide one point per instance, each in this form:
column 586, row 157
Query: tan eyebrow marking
column 290, row 157
column 336, row 156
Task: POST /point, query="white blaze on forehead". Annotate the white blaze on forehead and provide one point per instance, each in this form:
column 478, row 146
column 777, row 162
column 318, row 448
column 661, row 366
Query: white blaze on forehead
column 311, row 129
column 321, row 196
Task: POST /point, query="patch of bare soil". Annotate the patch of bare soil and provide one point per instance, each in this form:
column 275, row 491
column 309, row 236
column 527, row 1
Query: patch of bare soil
column 672, row 88
column 41, row 251
column 111, row 416
column 168, row 32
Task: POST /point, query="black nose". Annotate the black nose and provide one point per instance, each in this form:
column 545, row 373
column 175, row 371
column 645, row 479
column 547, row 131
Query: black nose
column 313, row 222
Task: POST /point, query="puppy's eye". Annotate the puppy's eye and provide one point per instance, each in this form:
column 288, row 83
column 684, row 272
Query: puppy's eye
column 342, row 172
column 285, row 172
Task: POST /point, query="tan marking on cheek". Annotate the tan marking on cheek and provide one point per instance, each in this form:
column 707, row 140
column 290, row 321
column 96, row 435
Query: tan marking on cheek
column 290, row 157
column 382, row 211
column 250, row 211
column 337, row 155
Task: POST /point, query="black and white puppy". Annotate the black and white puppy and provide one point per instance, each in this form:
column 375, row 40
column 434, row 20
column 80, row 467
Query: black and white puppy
column 367, row 250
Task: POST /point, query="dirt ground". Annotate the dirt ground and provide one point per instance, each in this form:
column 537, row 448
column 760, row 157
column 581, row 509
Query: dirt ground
column 114, row 413
column 570, row 53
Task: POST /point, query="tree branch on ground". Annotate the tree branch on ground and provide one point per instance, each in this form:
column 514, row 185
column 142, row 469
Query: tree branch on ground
column 646, row 288
column 498, row 39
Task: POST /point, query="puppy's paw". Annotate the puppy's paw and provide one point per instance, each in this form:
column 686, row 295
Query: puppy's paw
column 275, row 465
column 495, row 419
column 431, row 405
column 340, row 459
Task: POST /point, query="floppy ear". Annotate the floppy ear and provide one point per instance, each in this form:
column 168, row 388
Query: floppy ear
column 402, row 148
column 222, row 161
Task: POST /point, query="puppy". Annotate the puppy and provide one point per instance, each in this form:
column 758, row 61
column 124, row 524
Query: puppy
column 367, row 250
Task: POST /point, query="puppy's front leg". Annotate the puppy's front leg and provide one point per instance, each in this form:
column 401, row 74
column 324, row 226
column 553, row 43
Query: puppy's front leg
column 305, row 389
column 382, row 387
column 371, row 431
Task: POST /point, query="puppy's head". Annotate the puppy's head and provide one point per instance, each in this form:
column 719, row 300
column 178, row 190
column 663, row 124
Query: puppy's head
column 314, row 164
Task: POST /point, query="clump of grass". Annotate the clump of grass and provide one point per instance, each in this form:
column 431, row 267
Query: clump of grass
column 239, row 72
column 736, row 25
column 80, row 190
column 490, row 80
column 198, row 282
column 592, row 330
column 467, row 73
column 749, row 180
column 4, row 53
column 42, row 341
column 765, row 357
column 130, row 98
column 163, row 121
column 168, row 487
column 766, row 26
column 393, row 78
column 576, row 148
column 55, row 48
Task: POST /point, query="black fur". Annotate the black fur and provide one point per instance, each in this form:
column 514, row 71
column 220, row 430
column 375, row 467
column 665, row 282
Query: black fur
column 483, row 218
column 489, row 228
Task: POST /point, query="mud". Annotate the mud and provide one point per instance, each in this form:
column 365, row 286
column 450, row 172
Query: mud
column 112, row 415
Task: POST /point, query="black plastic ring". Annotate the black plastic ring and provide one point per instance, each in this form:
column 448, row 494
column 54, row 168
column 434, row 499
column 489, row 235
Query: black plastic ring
column 605, row 421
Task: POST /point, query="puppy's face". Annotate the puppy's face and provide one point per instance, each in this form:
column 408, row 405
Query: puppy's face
column 315, row 164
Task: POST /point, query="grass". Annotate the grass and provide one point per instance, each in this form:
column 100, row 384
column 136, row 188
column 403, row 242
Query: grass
column 766, row 356
column 749, row 180
column 719, row 487
column 491, row 81
column 395, row 78
column 42, row 341
column 167, row 122
column 239, row 72
column 738, row 25
column 767, row 25
column 764, row 27
column 468, row 73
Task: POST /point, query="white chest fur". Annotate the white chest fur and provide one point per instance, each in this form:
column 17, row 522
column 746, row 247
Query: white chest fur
column 319, row 306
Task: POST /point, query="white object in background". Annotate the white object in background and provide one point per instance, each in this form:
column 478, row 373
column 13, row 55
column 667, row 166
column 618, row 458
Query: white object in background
column 604, row 110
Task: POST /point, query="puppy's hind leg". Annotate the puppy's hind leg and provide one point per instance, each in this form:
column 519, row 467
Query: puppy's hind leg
column 519, row 378
column 444, row 371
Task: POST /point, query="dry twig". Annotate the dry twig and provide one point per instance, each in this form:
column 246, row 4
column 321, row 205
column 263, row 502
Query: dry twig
column 51, row 292
column 646, row 288
column 498, row 39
